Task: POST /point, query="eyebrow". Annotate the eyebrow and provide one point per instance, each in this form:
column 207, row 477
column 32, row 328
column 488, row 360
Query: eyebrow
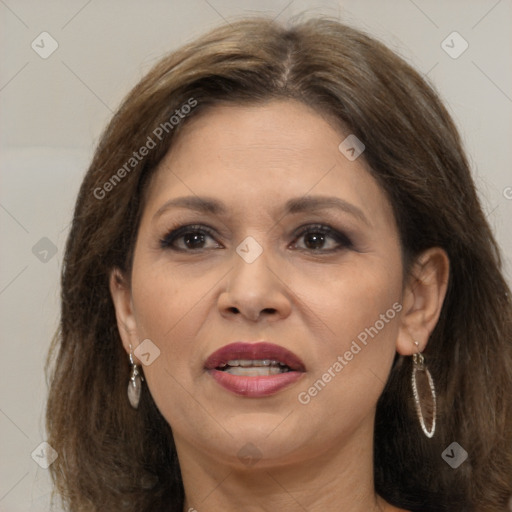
column 294, row 205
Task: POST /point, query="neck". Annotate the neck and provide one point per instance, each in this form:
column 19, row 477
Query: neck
column 338, row 479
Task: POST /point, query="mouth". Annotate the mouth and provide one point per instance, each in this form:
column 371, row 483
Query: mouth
column 254, row 369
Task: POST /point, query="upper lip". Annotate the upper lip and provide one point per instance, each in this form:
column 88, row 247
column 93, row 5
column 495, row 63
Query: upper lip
column 254, row 351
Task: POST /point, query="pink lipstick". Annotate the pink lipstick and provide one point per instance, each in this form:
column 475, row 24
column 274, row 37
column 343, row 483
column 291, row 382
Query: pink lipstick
column 254, row 369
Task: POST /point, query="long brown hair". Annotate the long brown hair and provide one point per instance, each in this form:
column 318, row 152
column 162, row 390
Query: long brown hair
column 114, row 458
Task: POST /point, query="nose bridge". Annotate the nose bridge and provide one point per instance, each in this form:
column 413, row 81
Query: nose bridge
column 252, row 286
column 251, row 264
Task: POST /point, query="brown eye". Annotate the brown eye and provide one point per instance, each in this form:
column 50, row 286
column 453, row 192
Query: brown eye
column 316, row 237
column 193, row 238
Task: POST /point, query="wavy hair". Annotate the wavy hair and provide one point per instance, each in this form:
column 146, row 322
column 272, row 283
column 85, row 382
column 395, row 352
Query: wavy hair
column 112, row 457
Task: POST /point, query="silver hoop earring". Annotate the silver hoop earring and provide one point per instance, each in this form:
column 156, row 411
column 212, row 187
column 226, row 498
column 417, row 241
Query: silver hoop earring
column 134, row 384
column 422, row 387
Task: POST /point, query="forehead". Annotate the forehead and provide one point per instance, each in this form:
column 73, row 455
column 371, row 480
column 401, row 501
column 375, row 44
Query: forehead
column 261, row 156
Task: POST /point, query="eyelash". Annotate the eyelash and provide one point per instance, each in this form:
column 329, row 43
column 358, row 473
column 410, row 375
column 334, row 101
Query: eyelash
column 177, row 233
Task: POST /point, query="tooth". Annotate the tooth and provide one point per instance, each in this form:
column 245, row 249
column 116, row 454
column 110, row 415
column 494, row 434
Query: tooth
column 254, row 363
column 255, row 371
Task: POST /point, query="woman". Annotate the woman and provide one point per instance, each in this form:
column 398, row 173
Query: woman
column 281, row 292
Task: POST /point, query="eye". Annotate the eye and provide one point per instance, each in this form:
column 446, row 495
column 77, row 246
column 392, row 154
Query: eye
column 192, row 237
column 315, row 237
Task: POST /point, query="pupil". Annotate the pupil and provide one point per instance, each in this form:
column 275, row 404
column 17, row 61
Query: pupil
column 317, row 237
column 195, row 236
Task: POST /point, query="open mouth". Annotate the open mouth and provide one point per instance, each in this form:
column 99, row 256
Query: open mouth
column 254, row 359
column 254, row 368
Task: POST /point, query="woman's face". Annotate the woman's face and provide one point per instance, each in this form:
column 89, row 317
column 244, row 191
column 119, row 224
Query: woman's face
column 301, row 251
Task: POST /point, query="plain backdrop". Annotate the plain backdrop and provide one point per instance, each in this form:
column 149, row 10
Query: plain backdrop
column 53, row 110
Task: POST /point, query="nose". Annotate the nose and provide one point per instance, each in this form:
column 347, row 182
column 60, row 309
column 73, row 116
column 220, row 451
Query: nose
column 255, row 291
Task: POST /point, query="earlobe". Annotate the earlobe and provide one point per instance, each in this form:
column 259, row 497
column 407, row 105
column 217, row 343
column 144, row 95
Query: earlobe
column 121, row 297
column 423, row 300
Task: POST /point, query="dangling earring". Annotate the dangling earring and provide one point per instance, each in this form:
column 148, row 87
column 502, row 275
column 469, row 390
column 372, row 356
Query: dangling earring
column 134, row 384
column 421, row 383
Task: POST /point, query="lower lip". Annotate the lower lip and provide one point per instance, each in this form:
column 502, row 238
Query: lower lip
column 255, row 386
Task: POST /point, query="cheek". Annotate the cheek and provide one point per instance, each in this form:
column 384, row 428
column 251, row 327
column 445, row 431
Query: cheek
column 361, row 307
column 165, row 297
column 369, row 294
column 166, row 305
column 350, row 297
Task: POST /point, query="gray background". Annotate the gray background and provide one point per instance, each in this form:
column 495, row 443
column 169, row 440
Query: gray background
column 53, row 110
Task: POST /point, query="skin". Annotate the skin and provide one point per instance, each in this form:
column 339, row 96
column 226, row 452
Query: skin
column 297, row 294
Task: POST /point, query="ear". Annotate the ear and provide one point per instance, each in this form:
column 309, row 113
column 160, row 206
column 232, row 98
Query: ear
column 423, row 299
column 123, row 304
